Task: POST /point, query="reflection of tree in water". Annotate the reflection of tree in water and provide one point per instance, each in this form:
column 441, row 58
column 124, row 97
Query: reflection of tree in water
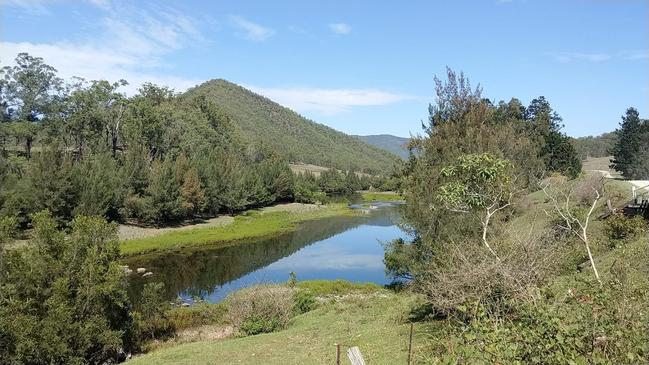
column 200, row 272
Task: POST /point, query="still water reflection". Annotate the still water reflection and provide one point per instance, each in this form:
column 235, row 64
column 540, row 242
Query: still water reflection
column 348, row 248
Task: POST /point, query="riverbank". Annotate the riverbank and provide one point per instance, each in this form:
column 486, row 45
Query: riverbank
column 248, row 225
column 363, row 315
column 375, row 319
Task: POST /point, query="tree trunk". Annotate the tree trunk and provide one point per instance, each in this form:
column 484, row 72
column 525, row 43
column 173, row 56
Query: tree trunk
column 114, row 145
column 28, row 146
column 485, row 227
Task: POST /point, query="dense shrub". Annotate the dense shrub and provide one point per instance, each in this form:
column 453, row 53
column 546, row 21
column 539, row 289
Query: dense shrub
column 584, row 191
column 619, row 227
column 304, row 301
column 8, row 229
column 261, row 309
column 152, row 321
column 197, row 315
column 63, row 298
column 469, row 273
column 585, row 327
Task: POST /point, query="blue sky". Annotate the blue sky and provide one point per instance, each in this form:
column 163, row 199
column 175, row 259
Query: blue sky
column 363, row 67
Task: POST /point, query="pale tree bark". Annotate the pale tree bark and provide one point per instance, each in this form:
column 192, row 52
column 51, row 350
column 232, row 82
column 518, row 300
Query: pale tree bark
column 573, row 224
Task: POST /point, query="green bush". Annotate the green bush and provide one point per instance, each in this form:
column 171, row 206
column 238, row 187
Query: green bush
column 151, row 319
column 303, row 194
column 261, row 309
column 304, row 301
column 63, row 297
column 619, row 227
column 588, row 325
column 197, row 315
column 8, row 228
column 259, row 323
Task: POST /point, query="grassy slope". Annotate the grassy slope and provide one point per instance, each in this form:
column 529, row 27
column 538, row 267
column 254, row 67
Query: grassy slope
column 373, row 322
column 259, row 120
column 254, row 224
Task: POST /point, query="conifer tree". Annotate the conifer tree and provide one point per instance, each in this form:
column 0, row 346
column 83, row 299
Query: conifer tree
column 630, row 140
column 193, row 196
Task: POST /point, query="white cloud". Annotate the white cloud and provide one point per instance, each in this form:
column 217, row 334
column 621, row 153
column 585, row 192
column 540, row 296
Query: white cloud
column 635, row 55
column 130, row 46
column 629, row 55
column 251, row 31
column 577, row 56
column 91, row 63
column 104, row 4
column 340, row 28
column 328, row 101
column 32, row 7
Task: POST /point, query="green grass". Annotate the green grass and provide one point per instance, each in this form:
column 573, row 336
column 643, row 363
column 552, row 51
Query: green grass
column 376, row 323
column 253, row 224
column 633, row 252
column 337, row 287
column 381, row 196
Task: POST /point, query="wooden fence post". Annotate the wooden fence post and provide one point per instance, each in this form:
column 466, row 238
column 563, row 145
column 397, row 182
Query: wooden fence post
column 337, row 354
column 410, row 343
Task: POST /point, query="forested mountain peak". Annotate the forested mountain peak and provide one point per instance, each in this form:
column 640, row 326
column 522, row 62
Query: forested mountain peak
column 394, row 144
column 260, row 121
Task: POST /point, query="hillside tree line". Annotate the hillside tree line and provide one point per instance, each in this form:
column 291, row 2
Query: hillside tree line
column 84, row 148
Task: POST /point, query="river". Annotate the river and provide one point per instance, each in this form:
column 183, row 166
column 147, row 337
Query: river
column 348, row 248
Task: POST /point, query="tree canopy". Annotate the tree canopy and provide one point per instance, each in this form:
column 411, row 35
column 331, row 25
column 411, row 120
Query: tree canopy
column 630, row 151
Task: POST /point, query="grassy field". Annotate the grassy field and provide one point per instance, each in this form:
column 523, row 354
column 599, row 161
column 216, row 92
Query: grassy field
column 600, row 164
column 253, row 224
column 300, row 168
column 374, row 320
column 370, row 196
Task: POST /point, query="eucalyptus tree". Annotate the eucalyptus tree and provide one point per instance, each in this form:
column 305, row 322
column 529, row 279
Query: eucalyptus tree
column 479, row 184
column 30, row 90
column 95, row 115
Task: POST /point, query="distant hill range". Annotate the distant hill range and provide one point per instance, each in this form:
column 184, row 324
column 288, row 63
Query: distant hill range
column 595, row 146
column 260, row 121
column 394, row 144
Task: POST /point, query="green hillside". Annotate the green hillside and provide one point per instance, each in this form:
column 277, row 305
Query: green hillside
column 394, row 144
column 595, row 146
column 262, row 122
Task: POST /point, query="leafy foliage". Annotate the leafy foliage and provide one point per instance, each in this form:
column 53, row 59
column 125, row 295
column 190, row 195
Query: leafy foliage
column 475, row 182
column 557, row 151
column 619, row 227
column 63, row 300
column 152, row 321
